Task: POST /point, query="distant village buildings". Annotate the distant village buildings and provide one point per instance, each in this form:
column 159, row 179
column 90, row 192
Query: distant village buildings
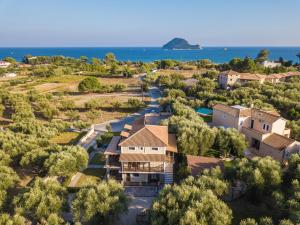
column 230, row 78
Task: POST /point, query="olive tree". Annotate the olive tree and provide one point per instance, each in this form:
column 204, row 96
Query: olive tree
column 262, row 175
column 89, row 84
column 67, row 161
column 104, row 200
column 41, row 200
column 188, row 204
column 6, row 219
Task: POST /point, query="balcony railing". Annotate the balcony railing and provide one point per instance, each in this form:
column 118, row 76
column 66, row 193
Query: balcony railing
column 149, row 169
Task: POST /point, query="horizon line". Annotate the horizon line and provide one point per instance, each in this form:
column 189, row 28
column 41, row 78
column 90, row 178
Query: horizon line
column 203, row 46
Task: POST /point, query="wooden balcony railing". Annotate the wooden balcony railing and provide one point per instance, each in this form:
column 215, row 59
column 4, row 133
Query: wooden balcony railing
column 154, row 169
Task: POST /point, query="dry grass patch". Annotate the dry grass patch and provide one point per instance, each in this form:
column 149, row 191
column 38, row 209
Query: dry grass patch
column 89, row 176
column 66, row 138
column 185, row 73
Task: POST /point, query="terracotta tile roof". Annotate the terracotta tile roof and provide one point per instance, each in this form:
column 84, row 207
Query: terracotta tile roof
column 113, row 146
column 148, row 136
column 199, row 163
column 277, row 141
column 251, row 76
column 233, row 111
column 269, row 117
column 145, row 135
column 142, row 158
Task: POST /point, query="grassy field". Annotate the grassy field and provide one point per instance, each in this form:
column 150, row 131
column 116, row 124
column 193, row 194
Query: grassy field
column 185, row 73
column 90, row 176
column 67, row 138
column 66, row 87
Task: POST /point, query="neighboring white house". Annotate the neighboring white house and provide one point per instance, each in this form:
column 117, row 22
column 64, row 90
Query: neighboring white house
column 4, row 64
column 270, row 64
column 265, row 131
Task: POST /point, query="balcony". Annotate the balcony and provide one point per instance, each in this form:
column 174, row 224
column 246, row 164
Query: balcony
column 143, row 168
column 113, row 162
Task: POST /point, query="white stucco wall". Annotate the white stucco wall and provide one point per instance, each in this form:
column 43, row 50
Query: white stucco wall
column 143, row 150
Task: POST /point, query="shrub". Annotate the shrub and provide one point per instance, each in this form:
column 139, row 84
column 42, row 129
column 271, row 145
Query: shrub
column 90, row 84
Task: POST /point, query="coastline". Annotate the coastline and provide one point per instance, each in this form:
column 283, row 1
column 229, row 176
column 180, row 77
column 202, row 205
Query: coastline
column 150, row 54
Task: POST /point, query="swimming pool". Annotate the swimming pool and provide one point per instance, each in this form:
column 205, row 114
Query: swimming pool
column 204, row 111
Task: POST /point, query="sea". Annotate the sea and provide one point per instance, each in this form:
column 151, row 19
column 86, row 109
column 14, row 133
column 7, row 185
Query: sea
column 148, row 54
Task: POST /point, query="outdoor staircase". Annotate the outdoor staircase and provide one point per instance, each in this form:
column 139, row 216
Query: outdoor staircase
column 169, row 173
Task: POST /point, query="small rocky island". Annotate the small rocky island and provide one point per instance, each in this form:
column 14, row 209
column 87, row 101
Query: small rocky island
column 179, row 44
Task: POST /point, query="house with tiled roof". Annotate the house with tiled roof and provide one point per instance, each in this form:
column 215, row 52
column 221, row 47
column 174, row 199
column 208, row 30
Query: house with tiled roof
column 265, row 130
column 143, row 154
column 228, row 79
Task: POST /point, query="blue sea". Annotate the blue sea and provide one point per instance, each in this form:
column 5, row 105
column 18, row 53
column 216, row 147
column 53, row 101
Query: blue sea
column 147, row 54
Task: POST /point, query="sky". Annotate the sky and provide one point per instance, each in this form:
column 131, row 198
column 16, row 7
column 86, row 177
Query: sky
column 147, row 23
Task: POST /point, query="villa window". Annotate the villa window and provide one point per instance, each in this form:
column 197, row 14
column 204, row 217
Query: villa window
column 131, row 148
column 155, row 149
column 251, row 124
column 266, row 127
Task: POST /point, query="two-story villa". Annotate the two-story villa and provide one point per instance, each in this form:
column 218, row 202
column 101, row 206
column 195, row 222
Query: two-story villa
column 143, row 154
column 264, row 130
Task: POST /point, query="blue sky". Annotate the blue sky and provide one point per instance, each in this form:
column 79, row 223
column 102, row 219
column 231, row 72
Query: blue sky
column 107, row 23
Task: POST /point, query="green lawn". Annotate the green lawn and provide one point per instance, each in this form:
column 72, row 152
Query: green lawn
column 98, row 159
column 90, row 176
column 67, row 138
column 207, row 119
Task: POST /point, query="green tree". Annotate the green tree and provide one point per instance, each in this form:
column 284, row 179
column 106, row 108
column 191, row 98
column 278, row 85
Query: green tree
column 6, row 219
column 262, row 56
column 127, row 72
column 9, row 178
column 89, row 84
column 248, row 221
column 67, row 161
column 93, row 104
column 110, row 58
column 67, row 104
column 72, row 115
column 41, row 200
column 189, row 203
column 135, row 103
column 4, row 159
column 105, row 201
column 230, row 142
column 175, row 93
column 93, row 114
column 262, row 175
column 10, row 60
